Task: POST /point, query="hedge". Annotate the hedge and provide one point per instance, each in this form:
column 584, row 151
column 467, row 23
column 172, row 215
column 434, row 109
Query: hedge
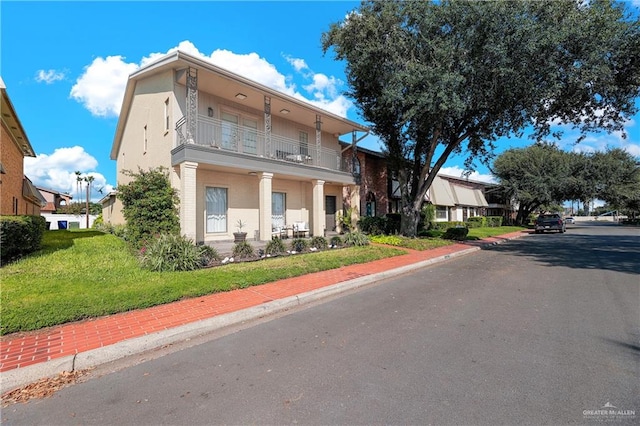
column 443, row 226
column 477, row 222
column 458, row 233
column 494, row 221
column 20, row 235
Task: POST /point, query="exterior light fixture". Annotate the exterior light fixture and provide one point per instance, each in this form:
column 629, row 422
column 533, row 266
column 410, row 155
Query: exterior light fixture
column 284, row 111
column 210, row 112
column 241, row 96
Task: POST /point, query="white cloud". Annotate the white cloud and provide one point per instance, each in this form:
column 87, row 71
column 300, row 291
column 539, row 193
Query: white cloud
column 456, row 171
column 297, row 63
column 101, row 86
column 49, row 76
column 57, row 171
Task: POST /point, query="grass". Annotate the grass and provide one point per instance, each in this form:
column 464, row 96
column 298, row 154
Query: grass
column 410, row 243
column 86, row 274
column 480, row 233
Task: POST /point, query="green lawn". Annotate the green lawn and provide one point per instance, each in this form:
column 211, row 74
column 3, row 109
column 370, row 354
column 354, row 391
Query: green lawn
column 85, row 274
column 480, row 233
column 410, row 243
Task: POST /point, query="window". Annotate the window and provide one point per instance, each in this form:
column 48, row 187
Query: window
column 166, row 115
column 278, row 209
column 441, row 212
column 216, row 210
column 304, row 142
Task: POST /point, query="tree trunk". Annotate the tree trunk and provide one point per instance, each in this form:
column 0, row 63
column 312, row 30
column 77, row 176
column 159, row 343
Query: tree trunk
column 523, row 214
column 409, row 219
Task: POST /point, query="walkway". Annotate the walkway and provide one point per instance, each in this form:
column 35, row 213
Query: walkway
column 25, row 349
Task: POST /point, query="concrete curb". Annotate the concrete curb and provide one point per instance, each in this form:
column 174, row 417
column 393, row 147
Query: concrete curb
column 16, row 378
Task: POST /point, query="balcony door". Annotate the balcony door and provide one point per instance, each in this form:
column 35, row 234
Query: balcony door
column 250, row 136
column 229, row 131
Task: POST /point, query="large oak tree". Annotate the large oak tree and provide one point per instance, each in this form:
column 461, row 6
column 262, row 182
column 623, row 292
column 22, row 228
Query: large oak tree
column 542, row 174
column 436, row 78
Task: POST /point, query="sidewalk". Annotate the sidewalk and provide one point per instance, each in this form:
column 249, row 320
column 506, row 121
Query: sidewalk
column 27, row 357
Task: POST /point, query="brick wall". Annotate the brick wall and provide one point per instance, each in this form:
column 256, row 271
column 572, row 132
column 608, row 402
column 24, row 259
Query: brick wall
column 11, row 200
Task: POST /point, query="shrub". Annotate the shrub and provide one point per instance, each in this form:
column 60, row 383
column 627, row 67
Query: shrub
column 443, row 226
column 494, row 221
column 243, row 250
column 336, row 241
column 429, row 212
column 319, row 242
column 171, row 252
column 299, row 245
column 356, row 239
column 345, row 219
column 275, row 247
column 458, row 233
column 107, row 228
column 149, row 205
column 99, row 221
column 20, row 235
column 431, row 233
column 393, row 224
column 392, row 240
column 373, row 225
column 477, row 222
column 208, row 254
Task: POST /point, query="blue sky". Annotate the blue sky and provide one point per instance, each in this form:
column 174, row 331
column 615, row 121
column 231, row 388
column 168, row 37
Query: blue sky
column 65, row 66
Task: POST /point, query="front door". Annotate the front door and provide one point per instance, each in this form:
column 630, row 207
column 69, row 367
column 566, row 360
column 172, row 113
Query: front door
column 330, row 212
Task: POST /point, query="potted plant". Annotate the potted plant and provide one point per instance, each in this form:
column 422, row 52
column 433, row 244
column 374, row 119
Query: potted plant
column 239, row 236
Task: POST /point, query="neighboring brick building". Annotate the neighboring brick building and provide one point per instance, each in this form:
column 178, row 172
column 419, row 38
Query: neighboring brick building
column 371, row 167
column 18, row 195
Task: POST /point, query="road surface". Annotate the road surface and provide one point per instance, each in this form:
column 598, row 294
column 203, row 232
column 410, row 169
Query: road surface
column 539, row 330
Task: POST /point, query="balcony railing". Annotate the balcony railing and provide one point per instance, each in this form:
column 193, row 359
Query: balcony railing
column 245, row 140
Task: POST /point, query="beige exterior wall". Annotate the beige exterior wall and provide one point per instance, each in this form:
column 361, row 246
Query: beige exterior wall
column 146, row 116
column 148, row 111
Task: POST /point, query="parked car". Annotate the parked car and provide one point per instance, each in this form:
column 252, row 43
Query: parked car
column 569, row 220
column 550, row 222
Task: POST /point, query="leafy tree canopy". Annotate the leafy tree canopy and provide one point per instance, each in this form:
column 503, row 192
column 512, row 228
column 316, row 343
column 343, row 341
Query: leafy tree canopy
column 80, row 208
column 436, row 78
column 542, row 175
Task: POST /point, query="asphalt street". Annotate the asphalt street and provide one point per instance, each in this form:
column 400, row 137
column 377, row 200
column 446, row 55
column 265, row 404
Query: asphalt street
column 539, row 330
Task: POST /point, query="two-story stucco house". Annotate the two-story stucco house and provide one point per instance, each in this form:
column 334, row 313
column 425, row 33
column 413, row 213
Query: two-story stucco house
column 235, row 150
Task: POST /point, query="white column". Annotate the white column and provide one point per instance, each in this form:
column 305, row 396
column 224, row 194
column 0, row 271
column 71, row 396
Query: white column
column 319, row 216
column 188, row 194
column 265, row 186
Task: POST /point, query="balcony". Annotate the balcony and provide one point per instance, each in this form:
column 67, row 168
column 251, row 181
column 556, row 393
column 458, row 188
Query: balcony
column 223, row 135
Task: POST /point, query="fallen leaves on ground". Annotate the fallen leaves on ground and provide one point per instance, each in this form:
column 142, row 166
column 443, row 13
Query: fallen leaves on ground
column 43, row 388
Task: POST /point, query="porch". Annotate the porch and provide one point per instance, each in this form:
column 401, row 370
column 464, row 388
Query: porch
column 225, row 248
